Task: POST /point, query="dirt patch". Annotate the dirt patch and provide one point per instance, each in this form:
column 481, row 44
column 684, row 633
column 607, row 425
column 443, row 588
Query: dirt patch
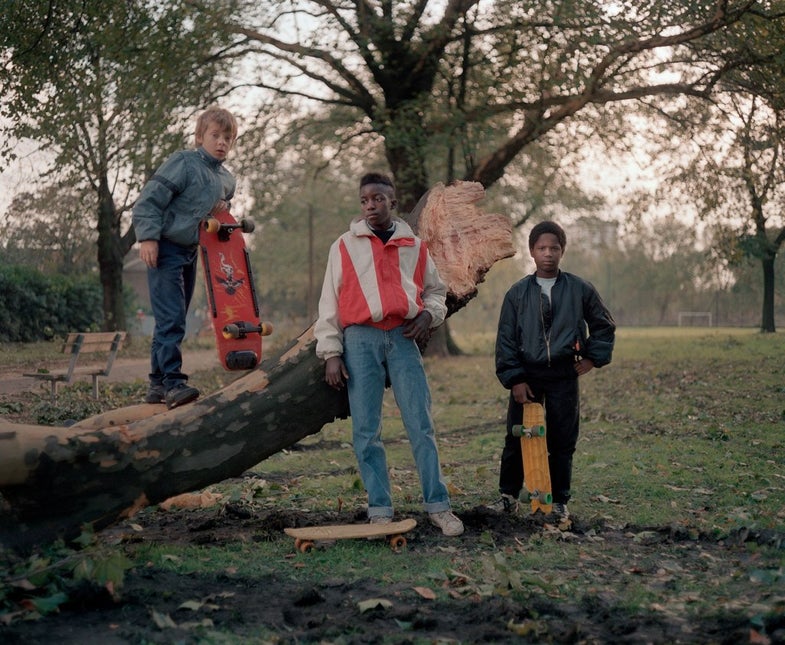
column 158, row 606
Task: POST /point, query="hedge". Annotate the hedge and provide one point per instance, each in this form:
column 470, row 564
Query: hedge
column 34, row 306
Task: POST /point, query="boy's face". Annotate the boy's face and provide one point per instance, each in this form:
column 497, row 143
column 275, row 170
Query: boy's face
column 377, row 201
column 217, row 141
column 547, row 253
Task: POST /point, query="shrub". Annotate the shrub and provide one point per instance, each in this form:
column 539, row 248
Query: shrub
column 34, row 306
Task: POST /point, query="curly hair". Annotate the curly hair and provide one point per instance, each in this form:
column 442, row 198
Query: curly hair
column 547, row 227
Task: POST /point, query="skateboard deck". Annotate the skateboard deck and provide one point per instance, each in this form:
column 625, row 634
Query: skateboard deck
column 536, row 472
column 231, row 295
column 305, row 537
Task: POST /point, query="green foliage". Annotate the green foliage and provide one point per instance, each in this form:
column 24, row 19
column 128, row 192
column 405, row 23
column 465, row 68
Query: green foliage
column 38, row 307
column 42, row 583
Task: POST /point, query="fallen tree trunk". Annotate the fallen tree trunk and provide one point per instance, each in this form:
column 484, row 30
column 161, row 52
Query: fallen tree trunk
column 103, row 469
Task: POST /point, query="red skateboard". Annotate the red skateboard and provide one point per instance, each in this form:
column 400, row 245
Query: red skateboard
column 231, row 296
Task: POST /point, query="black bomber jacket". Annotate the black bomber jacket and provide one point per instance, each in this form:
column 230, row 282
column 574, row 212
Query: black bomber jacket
column 580, row 325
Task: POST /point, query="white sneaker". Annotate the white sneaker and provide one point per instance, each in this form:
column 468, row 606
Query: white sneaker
column 447, row 522
column 380, row 519
column 560, row 511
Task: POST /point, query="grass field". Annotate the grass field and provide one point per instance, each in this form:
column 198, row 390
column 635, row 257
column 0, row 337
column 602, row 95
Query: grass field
column 678, row 534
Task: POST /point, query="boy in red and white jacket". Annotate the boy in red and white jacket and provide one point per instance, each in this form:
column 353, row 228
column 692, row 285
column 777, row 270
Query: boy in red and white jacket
column 381, row 294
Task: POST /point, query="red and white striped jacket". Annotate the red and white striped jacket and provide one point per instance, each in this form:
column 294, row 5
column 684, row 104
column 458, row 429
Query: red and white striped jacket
column 368, row 282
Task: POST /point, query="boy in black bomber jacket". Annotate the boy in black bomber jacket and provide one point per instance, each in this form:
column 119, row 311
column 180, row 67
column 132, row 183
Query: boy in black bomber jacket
column 553, row 328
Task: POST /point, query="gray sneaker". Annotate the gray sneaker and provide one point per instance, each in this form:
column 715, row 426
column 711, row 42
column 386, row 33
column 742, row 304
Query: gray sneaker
column 505, row 504
column 447, row 522
column 380, row 519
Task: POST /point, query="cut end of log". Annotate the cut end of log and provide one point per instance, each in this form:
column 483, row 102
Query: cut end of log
column 464, row 241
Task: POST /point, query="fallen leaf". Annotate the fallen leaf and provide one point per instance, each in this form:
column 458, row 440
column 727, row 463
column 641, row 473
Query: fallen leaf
column 162, row 621
column 425, row 592
column 373, row 603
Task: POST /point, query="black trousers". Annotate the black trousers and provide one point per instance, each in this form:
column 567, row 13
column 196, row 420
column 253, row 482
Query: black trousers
column 561, row 399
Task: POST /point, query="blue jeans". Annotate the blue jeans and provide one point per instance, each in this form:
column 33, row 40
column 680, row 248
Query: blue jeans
column 371, row 357
column 171, row 286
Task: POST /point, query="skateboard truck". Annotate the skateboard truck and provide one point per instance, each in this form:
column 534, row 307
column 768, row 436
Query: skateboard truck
column 241, row 329
column 535, row 431
column 244, row 359
column 224, row 230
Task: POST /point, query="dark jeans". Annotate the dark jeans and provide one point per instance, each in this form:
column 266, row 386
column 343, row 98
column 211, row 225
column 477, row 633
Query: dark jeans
column 562, row 416
column 171, row 286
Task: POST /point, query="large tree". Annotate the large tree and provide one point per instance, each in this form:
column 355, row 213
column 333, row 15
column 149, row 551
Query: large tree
column 483, row 79
column 103, row 88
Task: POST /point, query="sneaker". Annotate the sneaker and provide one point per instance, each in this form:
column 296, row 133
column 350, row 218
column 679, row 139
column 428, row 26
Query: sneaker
column 380, row 519
column 560, row 511
column 180, row 395
column 155, row 394
column 505, row 504
column 447, row 522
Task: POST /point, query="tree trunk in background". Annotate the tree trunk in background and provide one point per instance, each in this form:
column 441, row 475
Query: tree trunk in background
column 103, row 469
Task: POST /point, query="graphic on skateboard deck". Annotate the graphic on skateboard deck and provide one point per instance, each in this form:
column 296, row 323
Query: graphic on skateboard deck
column 536, row 472
column 231, row 295
column 306, row 537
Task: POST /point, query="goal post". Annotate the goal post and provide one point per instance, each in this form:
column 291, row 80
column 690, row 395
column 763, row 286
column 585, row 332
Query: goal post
column 695, row 319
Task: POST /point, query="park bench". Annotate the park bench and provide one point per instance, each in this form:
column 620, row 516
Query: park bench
column 80, row 343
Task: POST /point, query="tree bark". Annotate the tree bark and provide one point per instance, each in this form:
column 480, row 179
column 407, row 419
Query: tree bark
column 103, row 469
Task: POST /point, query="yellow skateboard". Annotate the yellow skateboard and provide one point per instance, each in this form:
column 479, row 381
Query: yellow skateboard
column 305, row 537
column 536, row 472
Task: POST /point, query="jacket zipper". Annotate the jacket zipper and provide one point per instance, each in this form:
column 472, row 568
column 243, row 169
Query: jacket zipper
column 546, row 335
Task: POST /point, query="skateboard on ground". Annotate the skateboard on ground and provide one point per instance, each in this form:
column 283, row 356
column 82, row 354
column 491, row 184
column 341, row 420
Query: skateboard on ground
column 536, row 472
column 231, row 295
column 306, row 537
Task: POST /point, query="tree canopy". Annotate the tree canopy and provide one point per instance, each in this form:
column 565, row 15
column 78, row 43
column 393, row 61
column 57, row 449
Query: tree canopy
column 485, row 78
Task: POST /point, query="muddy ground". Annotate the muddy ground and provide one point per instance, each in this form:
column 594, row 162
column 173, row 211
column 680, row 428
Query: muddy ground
column 328, row 612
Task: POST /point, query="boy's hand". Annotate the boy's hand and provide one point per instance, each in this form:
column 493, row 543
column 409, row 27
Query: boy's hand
column 220, row 206
column 522, row 393
column 419, row 327
column 584, row 366
column 335, row 373
column 148, row 253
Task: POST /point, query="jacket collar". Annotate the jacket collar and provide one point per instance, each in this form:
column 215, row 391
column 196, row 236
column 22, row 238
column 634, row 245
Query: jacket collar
column 208, row 158
column 402, row 231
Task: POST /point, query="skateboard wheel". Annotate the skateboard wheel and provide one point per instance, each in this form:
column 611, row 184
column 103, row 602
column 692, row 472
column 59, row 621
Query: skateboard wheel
column 212, row 225
column 231, row 331
column 266, row 328
column 303, row 546
column 247, row 225
column 397, row 542
column 244, row 360
column 542, row 498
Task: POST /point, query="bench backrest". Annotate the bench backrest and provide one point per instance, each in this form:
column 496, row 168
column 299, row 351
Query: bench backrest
column 93, row 343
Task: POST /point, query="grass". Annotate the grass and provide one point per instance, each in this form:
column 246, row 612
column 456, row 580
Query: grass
column 684, row 430
column 679, row 487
